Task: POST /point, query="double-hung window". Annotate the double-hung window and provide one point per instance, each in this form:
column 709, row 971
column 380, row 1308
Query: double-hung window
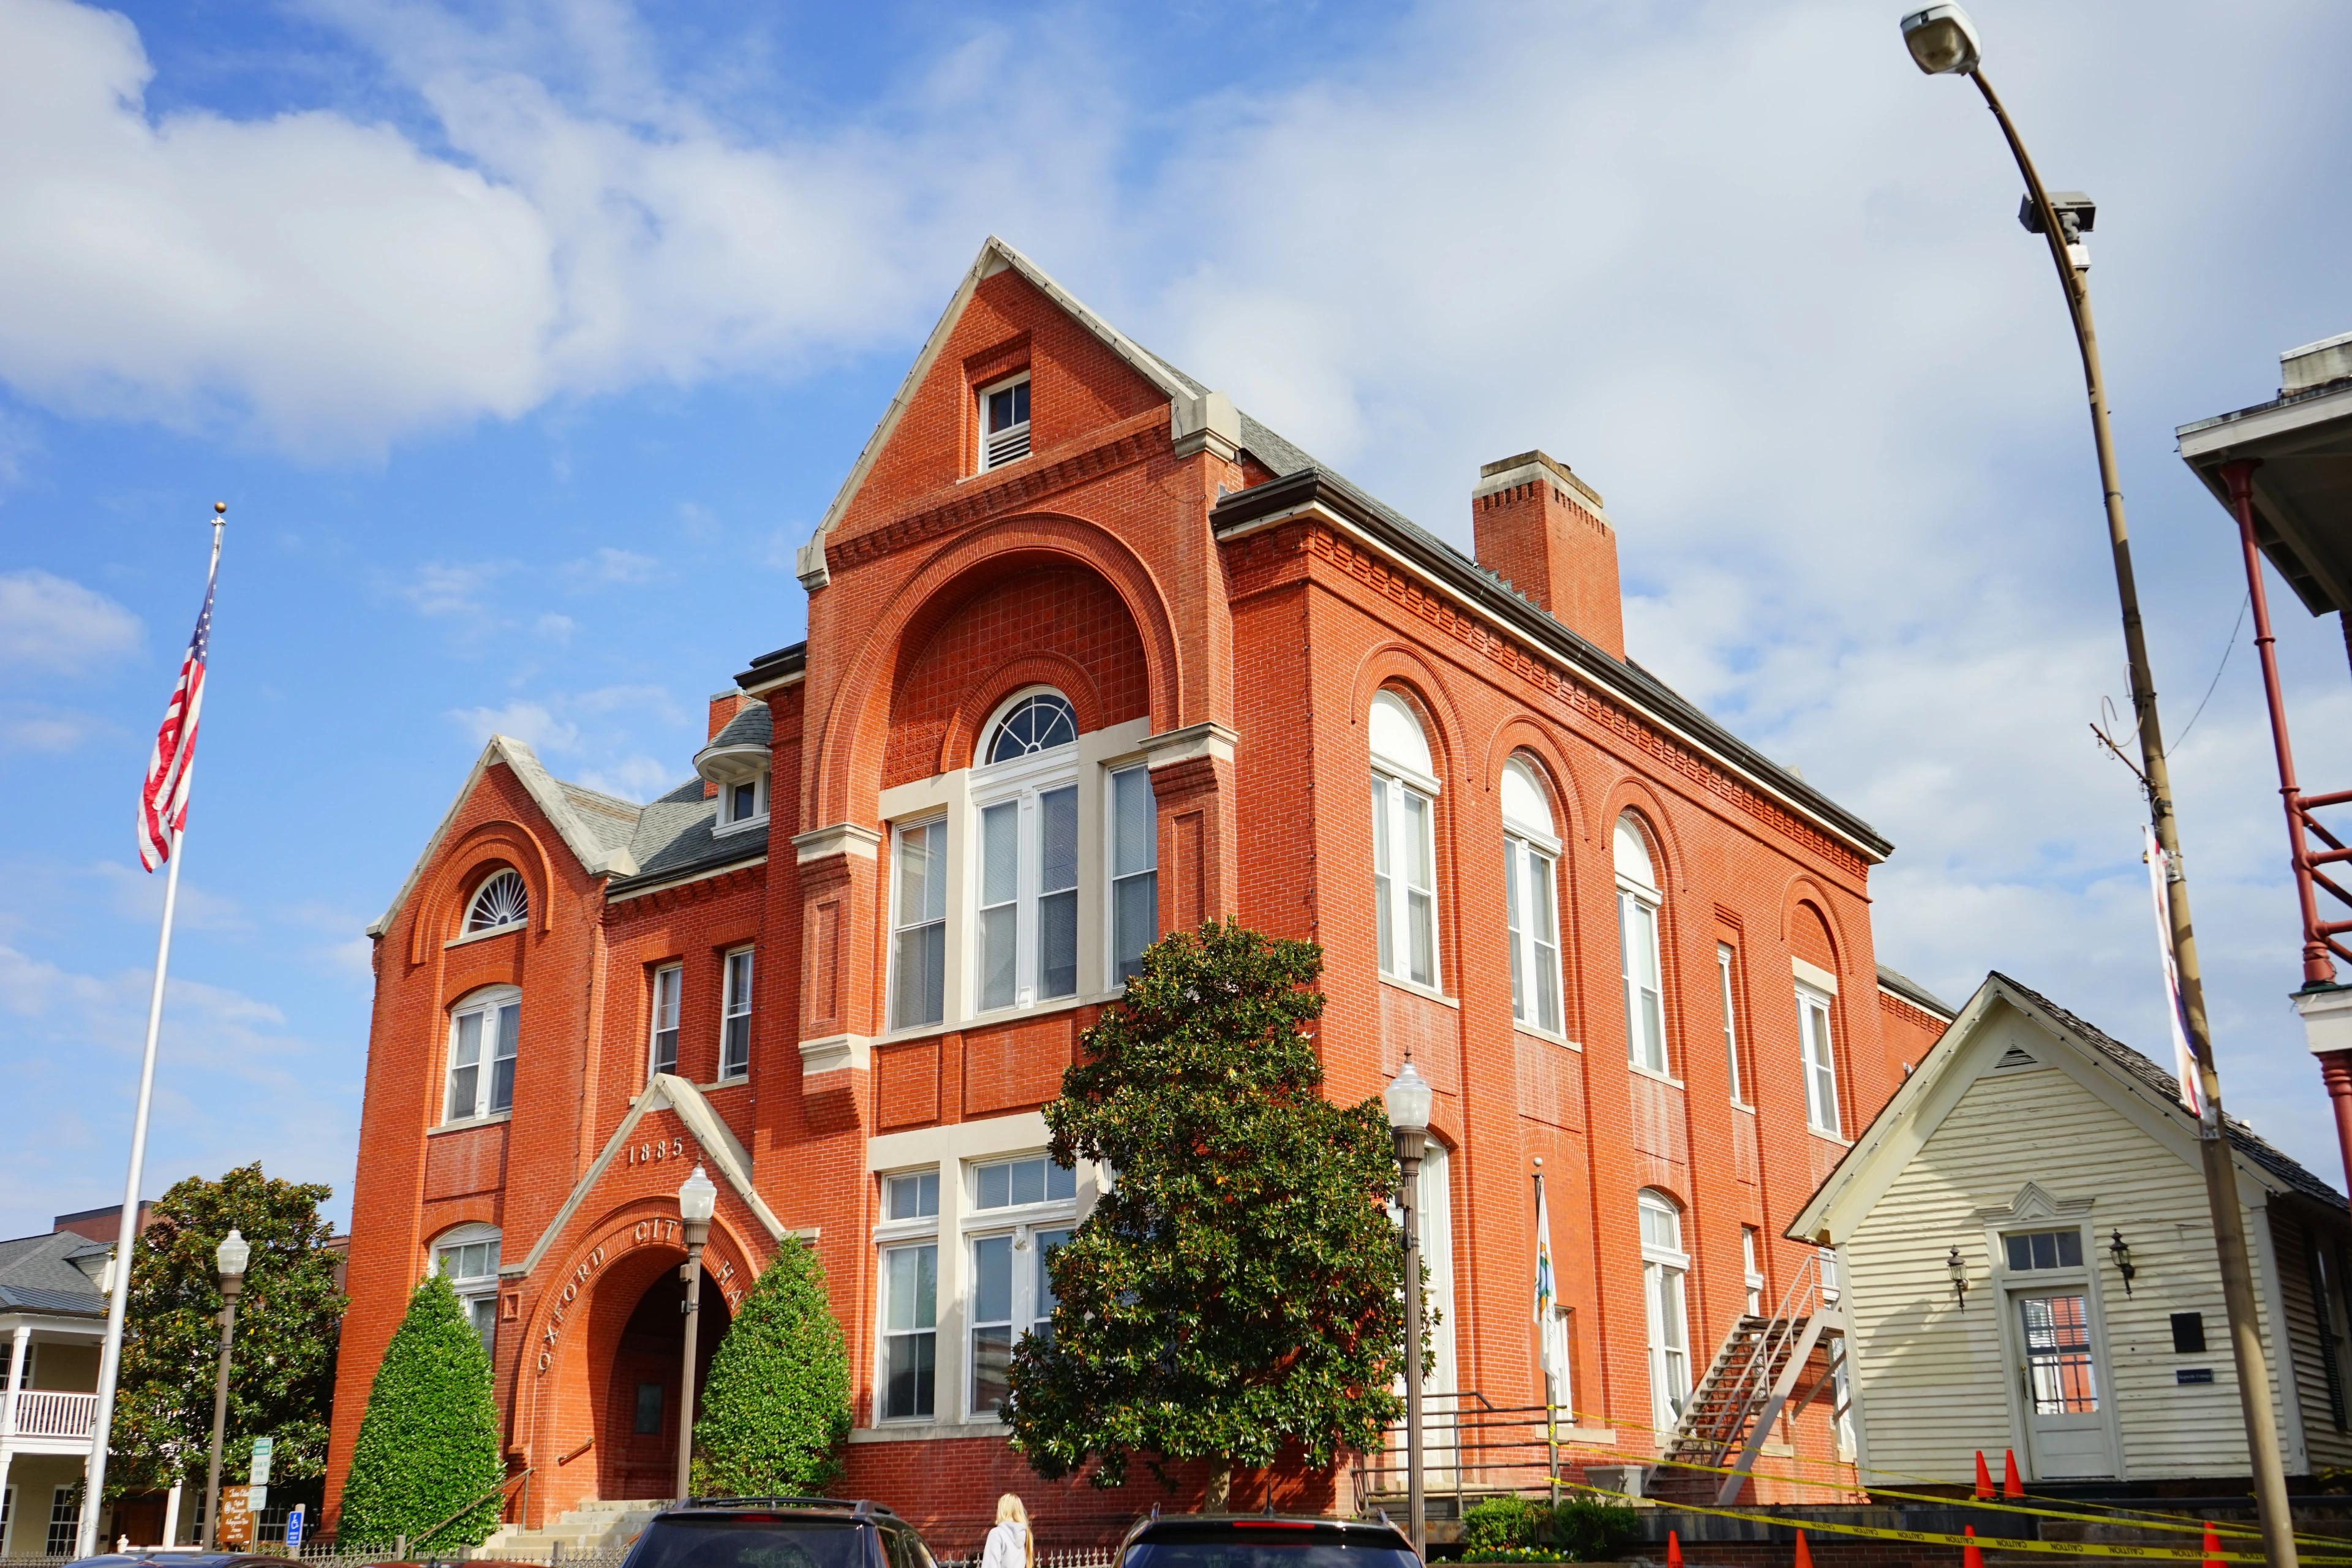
column 735, row 1017
column 670, row 981
column 744, row 800
column 1821, row 1061
column 1637, row 937
column 1404, row 842
column 485, row 1031
column 468, row 1259
column 1026, row 796
column 1530, row 898
column 1004, row 421
column 65, row 1519
column 910, row 1296
column 1724, row 957
column 1665, row 1265
column 919, row 947
column 1012, row 1291
column 1752, row 1264
column 1134, row 871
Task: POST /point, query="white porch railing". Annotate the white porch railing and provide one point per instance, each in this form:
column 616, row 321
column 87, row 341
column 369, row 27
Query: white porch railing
column 39, row 1414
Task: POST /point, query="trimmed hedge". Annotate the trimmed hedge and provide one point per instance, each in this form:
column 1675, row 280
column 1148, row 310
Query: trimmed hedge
column 1525, row 1530
column 775, row 1411
column 430, row 1442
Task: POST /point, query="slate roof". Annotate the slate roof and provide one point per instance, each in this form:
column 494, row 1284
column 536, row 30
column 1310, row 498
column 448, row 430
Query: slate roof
column 612, row 820
column 1911, row 991
column 37, row 1275
column 2242, row 1138
column 674, row 838
column 752, row 726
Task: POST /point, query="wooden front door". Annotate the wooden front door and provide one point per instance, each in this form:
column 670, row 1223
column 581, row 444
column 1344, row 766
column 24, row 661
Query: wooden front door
column 2066, row 1428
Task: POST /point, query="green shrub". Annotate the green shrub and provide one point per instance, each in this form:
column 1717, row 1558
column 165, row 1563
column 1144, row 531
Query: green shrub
column 776, row 1412
column 1503, row 1522
column 1525, row 1530
column 1512, row 1555
column 428, row 1444
column 1594, row 1528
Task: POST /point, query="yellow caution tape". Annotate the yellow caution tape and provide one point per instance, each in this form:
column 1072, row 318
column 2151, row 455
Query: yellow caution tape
column 1984, row 1543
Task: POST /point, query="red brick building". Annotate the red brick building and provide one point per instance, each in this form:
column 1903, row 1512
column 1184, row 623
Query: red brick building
column 1093, row 655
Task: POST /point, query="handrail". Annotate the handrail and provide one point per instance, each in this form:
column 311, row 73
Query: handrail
column 524, row 1477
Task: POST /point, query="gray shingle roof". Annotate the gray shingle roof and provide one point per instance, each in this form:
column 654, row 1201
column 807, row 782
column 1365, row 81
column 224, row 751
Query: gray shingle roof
column 43, row 1265
column 752, row 726
column 674, row 838
column 63, row 1303
column 613, row 821
column 1911, row 991
column 2242, row 1137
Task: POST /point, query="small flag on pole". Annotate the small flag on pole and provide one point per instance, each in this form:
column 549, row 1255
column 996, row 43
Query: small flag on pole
column 163, row 800
column 2184, row 1060
column 1546, row 1296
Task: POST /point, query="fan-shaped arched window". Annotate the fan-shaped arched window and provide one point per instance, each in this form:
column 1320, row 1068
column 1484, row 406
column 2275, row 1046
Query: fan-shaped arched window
column 1404, row 841
column 1637, row 937
column 501, row 901
column 1530, row 896
column 1035, row 724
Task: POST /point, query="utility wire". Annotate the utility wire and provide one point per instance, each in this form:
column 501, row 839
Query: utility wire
column 2227, row 649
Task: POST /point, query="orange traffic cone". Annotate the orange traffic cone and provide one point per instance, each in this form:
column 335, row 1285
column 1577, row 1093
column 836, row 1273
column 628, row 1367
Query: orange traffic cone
column 1984, row 1478
column 2010, row 1486
column 2213, row 1548
column 1804, row 1552
column 1971, row 1554
column 1674, row 1549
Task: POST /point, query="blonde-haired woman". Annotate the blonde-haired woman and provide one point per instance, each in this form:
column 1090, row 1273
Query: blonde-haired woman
column 1009, row 1545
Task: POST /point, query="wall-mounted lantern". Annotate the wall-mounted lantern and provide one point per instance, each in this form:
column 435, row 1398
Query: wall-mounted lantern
column 1959, row 1273
column 2120, row 1250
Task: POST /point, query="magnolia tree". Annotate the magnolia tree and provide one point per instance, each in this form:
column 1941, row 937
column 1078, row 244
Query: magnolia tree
column 776, row 1410
column 1237, row 1293
column 282, row 1375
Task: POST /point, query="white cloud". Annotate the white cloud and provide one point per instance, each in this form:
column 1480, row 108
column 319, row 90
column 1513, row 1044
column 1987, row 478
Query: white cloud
column 51, row 625
column 555, row 628
column 611, row 565
column 637, row 778
column 35, row 727
column 445, row 589
column 529, row 723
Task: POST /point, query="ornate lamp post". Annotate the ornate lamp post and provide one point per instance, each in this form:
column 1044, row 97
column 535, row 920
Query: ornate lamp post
column 1943, row 41
column 233, row 1254
column 1407, row 1097
column 696, row 1198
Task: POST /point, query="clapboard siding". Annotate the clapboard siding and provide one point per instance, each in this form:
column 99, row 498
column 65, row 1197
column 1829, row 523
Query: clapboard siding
column 1937, row 1381
column 2292, row 1240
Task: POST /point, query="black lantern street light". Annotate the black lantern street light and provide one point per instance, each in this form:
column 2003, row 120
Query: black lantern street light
column 698, row 1198
column 230, row 1257
column 1959, row 1277
column 1407, row 1097
column 1943, row 41
column 2120, row 1250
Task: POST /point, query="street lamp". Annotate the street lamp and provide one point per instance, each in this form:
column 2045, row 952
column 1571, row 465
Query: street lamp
column 230, row 1257
column 1407, row 1097
column 1959, row 1273
column 1943, row 41
column 696, row 1198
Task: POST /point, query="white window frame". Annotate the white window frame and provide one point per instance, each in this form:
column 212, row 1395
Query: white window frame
column 1665, row 1300
column 1397, row 788
column 466, row 928
column 477, row 1294
column 1641, row 912
column 1817, row 1047
column 669, row 978
column 901, row 928
column 1115, row 881
column 891, row 1236
column 65, row 1515
column 1531, row 868
column 728, row 821
column 1021, row 1224
column 1013, row 440
column 738, row 983
column 1022, row 783
column 1752, row 1264
column 489, row 1003
column 1727, row 961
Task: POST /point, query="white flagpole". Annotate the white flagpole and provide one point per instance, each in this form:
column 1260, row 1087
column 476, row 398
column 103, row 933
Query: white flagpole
column 109, row 1364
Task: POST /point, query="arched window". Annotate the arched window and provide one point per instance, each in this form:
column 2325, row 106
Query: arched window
column 1404, row 842
column 1036, row 723
column 1530, row 896
column 485, row 1031
column 1665, row 1265
column 501, row 901
column 1637, row 936
column 468, row 1257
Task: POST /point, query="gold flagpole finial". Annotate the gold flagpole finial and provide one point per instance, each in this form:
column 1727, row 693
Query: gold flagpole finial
column 220, row 508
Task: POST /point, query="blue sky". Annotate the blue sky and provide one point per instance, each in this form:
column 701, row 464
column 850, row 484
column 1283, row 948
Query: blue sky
column 525, row 340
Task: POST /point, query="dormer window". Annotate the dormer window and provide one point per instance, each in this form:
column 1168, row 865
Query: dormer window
column 500, row 902
column 1004, row 421
column 744, row 800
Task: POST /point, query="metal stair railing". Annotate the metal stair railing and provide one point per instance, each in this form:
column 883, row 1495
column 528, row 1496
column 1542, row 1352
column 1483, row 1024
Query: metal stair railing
column 1748, row 1384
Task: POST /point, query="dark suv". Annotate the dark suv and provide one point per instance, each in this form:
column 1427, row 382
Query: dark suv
column 1264, row 1541
column 777, row 1532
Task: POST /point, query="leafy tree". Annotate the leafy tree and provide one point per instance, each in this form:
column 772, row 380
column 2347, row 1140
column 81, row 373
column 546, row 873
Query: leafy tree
column 1239, row 1290
column 775, row 1411
column 429, row 1441
column 289, row 1316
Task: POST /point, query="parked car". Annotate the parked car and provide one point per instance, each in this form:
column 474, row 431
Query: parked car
column 777, row 1533
column 1264, row 1541
column 177, row 1557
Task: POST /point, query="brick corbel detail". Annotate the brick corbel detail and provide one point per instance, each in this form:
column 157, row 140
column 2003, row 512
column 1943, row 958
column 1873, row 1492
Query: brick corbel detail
column 1193, row 786
column 840, row 873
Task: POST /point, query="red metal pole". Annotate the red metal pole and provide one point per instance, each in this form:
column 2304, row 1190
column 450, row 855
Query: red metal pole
column 2336, row 1069
column 2317, row 968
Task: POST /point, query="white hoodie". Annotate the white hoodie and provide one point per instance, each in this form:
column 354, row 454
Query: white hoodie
column 1007, row 1546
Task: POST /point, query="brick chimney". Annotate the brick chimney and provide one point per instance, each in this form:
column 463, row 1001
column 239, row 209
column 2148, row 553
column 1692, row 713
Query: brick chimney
column 1540, row 529
column 724, row 706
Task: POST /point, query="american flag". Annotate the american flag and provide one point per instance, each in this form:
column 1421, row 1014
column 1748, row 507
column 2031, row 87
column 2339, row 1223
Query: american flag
column 164, row 802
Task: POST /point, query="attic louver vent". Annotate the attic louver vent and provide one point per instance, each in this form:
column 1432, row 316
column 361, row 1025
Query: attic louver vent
column 2015, row 1057
column 1004, row 418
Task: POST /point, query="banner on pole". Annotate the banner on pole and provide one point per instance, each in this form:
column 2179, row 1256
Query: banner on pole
column 2184, row 1060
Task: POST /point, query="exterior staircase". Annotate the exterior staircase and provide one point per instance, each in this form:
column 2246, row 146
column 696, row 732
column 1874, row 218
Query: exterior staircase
column 1768, row 1368
column 586, row 1530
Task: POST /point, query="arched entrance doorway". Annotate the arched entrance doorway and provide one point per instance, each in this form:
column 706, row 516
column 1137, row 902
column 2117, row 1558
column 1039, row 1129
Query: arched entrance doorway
column 637, row 1446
